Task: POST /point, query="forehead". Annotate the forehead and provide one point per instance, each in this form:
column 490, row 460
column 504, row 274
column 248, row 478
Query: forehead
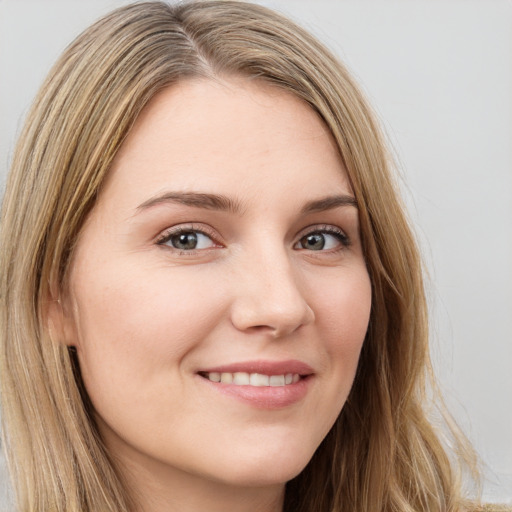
column 232, row 137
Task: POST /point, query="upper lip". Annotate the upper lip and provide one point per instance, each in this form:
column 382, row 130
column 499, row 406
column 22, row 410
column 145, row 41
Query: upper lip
column 263, row 367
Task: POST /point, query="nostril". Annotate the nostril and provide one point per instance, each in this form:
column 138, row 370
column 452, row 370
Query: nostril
column 276, row 309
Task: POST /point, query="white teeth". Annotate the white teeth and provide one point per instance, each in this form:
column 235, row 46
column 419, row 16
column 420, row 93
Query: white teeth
column 226, row 378
column 214, row 376
column 277, row 380
column 240, row 379
column 253, row 379
column 258, row 379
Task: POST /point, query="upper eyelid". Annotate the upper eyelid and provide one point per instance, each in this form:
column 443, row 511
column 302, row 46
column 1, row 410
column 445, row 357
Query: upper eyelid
column 173, row 230
column 328, row 228
column 211, row 233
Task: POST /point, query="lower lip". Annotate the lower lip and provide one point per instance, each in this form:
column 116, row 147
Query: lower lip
column 264, row 397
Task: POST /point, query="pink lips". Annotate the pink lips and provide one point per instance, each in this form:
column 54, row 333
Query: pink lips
column 263, row 397
column 264, row 367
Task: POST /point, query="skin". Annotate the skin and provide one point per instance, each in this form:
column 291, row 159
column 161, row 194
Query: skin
column 146, row 317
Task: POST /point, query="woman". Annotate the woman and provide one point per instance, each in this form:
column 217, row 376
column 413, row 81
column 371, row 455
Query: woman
column 214, row 298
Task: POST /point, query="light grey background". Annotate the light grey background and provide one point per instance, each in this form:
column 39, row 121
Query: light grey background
column 440, row 76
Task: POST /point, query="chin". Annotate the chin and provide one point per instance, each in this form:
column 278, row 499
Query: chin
column 262, row 478
column 263, row 471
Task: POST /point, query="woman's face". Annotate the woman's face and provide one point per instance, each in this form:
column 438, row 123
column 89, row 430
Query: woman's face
column 224, row 246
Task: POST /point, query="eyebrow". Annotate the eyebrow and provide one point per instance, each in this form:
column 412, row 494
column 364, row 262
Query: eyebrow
column 195, row 199
column 220, row 202
column 329, row 203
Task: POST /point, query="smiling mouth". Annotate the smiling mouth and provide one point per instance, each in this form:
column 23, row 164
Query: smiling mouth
column 266, row 385
column 252, row 379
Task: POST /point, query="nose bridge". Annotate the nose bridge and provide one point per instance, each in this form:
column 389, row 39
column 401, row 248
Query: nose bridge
column 270, row 296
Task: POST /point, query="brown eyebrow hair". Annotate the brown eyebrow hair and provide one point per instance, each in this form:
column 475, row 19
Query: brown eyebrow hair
column 329, row 203
column 195, row 199
column 224, row 203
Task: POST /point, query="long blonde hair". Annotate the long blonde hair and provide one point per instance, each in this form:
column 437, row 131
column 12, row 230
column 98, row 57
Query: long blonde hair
column 382, row 453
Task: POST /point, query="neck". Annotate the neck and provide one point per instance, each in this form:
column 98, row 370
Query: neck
column 197, row 498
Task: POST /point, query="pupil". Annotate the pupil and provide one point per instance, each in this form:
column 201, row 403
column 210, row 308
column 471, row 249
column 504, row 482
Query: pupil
column 185, row 241
column 314, row 242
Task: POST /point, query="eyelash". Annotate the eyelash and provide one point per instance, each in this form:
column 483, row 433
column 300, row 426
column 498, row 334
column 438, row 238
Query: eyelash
column 191, row 228
column 183, row 229
column 338, row 233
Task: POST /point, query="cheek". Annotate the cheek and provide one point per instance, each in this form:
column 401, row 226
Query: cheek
column 134, row 325
column 344, row 311
column 342, row 314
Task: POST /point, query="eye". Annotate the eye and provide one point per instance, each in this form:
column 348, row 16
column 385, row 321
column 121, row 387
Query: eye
column 186, row 240
column 323, row 240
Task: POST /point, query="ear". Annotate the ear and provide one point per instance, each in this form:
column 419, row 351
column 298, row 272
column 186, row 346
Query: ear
column 59, row 318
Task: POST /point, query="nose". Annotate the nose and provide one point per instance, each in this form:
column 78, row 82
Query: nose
column 269, row 298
